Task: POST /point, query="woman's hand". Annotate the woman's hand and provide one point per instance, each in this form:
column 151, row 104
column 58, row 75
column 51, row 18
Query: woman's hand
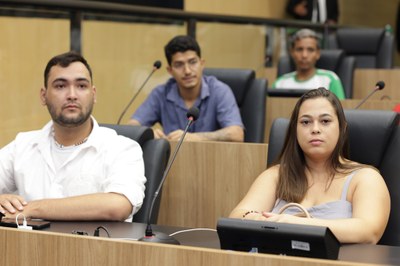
column 256, row 216
column 283, row 218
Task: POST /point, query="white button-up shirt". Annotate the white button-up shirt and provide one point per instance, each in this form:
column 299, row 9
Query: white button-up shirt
column 106, row 162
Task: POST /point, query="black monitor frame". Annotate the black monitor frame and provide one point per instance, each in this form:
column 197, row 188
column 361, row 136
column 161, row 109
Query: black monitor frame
column 277, row 238
column 279, row 92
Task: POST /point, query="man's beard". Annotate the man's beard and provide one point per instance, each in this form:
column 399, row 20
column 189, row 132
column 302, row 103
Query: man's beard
column 64, row 121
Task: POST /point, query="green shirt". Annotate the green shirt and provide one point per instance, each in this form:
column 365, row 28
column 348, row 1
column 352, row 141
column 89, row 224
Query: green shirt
column 322, row 78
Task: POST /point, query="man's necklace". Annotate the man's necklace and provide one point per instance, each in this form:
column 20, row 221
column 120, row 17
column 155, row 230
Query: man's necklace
column 75, row 144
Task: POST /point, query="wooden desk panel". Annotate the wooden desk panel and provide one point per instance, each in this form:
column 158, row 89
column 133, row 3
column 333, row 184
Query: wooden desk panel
column 365, row 80
column 207, row 180
column 282, row 107
column 21, row 247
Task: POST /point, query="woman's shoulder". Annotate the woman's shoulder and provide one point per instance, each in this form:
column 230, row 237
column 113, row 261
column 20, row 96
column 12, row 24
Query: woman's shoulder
column 366, row 179
column 361, row 169
column 271, row 172
column 268, row 178
column 366, row 172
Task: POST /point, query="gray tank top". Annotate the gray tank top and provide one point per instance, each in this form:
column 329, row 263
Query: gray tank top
column 339, row 209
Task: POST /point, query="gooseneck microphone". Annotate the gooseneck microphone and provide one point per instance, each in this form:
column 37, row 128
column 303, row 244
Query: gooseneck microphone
column 159, row 237
column 156, row 65
column 379, row 86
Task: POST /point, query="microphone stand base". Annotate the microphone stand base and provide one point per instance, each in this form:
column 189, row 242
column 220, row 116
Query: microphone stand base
column 159, row 237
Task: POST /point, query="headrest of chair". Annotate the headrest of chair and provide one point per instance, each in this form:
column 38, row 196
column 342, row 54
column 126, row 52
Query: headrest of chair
column 140, row 134
column 360, row 41
column 238, row 79
column 330, row 59
column 369, row 134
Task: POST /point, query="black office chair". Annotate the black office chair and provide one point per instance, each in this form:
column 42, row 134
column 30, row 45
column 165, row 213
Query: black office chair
column 372, row 48
column 156, row 153
column 250, row 94
column 333, row 60
column 374, row 138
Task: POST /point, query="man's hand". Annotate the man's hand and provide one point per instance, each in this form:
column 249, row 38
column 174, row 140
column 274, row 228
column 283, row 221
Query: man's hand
column 230, row 133
column 11, row 203
column 159, row 134
column 177, row 134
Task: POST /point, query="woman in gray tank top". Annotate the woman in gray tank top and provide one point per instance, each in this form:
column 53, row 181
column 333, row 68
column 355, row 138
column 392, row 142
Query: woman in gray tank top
column 313, row 170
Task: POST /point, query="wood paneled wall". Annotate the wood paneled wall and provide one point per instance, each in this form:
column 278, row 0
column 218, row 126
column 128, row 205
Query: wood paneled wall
column 255, row 8
column 122, row 54
column 370, row 13
column 26, row 44
column 227, row 45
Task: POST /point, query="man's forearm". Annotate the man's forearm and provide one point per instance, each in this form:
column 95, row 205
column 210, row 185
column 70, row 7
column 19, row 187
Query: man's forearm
column 134, row 122
column 231, row 133
column 99, row 206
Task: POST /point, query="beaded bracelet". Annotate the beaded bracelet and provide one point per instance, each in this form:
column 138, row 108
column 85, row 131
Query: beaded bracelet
column 244, row 215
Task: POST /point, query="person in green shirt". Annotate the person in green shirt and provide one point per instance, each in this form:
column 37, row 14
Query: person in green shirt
column 305, row 52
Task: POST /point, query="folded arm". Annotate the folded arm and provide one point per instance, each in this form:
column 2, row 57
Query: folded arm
column 369, row 197
column 98, row 206
column 230, row 133
column 371, row 207
column 260, row 197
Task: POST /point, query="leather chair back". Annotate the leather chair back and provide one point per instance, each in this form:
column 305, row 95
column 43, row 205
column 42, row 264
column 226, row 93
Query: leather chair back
column 372, row 48
column 250, row 94
column 156, row 154
column 390, row 170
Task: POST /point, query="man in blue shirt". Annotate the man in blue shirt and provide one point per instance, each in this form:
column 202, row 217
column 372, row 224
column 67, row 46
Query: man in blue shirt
column 167, row 104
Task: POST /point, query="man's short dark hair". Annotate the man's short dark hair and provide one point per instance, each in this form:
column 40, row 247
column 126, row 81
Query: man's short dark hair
column 181, row 43
column 64, row 60
column 305, row 33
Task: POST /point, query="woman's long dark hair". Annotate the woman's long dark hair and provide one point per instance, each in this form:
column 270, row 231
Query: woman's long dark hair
column 292, row 185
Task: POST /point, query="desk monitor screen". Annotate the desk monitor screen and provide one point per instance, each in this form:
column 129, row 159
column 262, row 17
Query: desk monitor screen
column 277, row 92
column 277, row 238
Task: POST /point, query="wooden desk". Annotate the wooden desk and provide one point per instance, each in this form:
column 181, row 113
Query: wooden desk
column 207, row 180
column 282, row 107
column 365, row 80
column 19, row 247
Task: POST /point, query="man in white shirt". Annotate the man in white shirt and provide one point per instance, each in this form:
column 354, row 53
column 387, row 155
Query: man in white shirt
column 71, row 169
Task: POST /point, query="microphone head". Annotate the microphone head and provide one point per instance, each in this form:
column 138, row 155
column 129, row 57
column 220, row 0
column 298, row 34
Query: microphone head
column 157, row 64
column 380, row 85
column 193, row 113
